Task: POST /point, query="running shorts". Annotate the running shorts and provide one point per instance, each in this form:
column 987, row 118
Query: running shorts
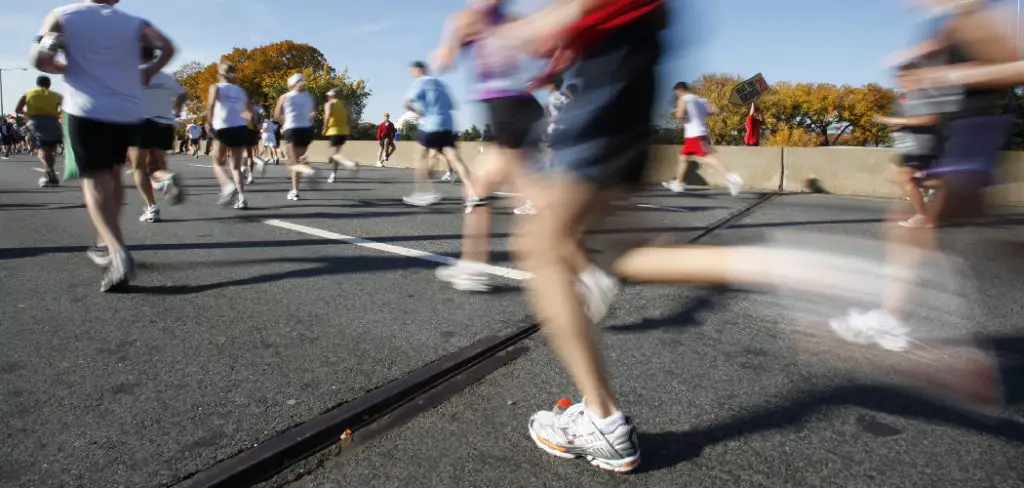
column 436, row 140
column 254, row 138
column 605, row 135
column 338, row 141
column 99, row 146
column 157, row 136
column 233, row 137
column 301, row 137
column 46, row 130
column 513, row 118
column 9, row 140
column 697, row 146
column 972, row 148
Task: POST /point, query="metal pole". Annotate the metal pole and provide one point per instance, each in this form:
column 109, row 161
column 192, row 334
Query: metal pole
column 2, row 113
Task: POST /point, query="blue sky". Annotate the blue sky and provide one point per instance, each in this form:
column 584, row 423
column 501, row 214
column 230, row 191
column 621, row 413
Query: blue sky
column 795, row 40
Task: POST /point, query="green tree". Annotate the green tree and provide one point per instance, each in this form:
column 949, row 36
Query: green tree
column 408, row 129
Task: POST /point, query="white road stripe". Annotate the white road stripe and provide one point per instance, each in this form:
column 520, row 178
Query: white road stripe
column 201, row 165
column 41, row 170
column 514, row 274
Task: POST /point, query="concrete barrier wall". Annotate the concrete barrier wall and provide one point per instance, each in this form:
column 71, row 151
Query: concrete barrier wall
column 852, row 171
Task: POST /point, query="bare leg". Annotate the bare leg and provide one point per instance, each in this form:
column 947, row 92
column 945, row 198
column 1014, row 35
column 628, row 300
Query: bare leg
column 140, row 173
column 104, row 193
column 237, row 156
column 219, row 160
column 452, row 154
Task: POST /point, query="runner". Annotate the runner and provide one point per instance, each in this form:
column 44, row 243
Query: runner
column 295, row 110
column 42, row 108
column 230, row 108
column 103, row 109
column 386, row 132
column 337, row 125
column 269, row 138
column 195, row 136
column 252, row 150
column 429, row 98
column 164, row 101
column 693, row 111
column 501, row 85
column 6, row 138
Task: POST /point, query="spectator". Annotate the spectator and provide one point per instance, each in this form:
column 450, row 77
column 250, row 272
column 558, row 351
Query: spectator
column 754, row 122
column 386, row 137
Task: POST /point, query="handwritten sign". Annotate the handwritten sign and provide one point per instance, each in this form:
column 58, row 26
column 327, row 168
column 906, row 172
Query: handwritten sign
column 749, row 90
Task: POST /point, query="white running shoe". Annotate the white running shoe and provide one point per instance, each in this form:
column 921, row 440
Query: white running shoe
column 331, row 178
column 526, row 209
column 917, row 220
column 462, row 277
column 597, row 290
column 249, row 179
column 447, row 176
column 572, row 433
column 293, row 195
column 674, row 186
column 734, row 182
column 241, row 204
column 226, row 192
column 422, row 199
column 261, row 166
column 151, row 214
column 874, row 327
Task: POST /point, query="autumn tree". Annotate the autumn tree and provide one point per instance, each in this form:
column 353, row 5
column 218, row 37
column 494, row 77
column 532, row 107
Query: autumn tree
column 263, row 73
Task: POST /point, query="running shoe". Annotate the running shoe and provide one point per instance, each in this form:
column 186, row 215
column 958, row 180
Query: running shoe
column 44, row 182
column 734, row 182
column 226, row 193
column 447, row 176
column 52, row 176
column 597, row 290
column 526, row 209
column 249, row 179
column 119, row 272
column 874, row 327
column 331, row 178
column 261, row 166
column 422, row 199
column 674, row 186
column 917, row 220
column 151, row 214
column 99, row 255
column 463, row 278
column 241, row 204
column 171, row 188
column 293, row 195
column 571, row 433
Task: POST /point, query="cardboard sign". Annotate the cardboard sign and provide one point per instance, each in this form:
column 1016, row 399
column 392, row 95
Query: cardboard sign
column 749, row 91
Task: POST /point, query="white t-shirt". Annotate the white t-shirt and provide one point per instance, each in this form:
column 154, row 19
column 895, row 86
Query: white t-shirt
column 194, row 131
column 695, row 124
column 231, row 103
column 103, row 64
column 298, row 110
column 269, row 128
column 161, row 93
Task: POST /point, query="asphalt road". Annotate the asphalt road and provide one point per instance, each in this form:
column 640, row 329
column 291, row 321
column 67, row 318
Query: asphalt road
column 238, row 328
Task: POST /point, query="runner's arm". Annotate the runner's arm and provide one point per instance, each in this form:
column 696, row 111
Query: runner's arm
column 279, row 109
column 179, row 104
column 21, row 105
column 454, row 36
column 919, row 120
column 327, row 115
column 46, row 61
column 151, row 37
column 680, row 112
column 212, row 102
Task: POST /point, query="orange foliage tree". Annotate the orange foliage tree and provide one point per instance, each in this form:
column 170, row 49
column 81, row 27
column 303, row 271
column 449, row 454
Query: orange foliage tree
column 263, row 73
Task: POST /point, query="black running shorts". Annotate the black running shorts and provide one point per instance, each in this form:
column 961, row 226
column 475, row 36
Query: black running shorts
column 99, row 146
column 302, row 137
column 233, row 137
column 156, row 136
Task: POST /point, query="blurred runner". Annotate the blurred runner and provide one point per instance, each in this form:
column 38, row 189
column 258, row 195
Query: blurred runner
column 42, row 108
column 337, row 126
column 229, row 108
column 295, row 111
column 693, row 110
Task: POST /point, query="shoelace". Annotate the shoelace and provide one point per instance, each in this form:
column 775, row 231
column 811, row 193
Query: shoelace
column 571, row 416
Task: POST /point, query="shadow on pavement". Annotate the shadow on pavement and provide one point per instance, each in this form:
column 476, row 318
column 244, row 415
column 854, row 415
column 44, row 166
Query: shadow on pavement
column 667, row 449
column 686, row 316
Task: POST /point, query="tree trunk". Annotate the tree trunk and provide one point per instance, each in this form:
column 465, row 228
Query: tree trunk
column 840, row 134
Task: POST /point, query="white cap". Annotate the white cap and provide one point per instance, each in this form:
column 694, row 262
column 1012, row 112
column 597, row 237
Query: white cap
column 296, row 79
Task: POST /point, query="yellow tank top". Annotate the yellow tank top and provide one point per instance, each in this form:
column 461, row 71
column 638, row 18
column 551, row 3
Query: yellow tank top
column 337, row 124
column 42, row 102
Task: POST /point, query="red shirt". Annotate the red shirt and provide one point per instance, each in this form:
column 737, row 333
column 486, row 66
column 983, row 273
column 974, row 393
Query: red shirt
column 386, row 130
column 753, row 131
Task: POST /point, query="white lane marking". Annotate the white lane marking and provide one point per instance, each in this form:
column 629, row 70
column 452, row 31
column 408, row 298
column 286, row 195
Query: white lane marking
column 41, row 170
column 200, row 165
column 514, row 274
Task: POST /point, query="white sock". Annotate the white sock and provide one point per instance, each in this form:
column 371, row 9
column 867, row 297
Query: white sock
column 609, row 424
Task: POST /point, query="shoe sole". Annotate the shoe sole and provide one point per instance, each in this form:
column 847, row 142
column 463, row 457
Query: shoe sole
column 98, row 261
column 625, row 466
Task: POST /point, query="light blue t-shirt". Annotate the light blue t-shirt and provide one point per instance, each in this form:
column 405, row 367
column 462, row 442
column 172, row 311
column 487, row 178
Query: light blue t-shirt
column 435, row 104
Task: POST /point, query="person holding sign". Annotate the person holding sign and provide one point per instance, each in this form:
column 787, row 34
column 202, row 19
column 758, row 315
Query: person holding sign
column 753, row 125
column 693, row 112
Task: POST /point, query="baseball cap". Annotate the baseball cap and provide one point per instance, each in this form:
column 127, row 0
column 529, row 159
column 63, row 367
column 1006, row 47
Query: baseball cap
column 296, row 79
column 333, row 92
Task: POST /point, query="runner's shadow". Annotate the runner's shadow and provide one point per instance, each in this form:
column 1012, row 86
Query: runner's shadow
column 667, row 449
column 686, row 316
